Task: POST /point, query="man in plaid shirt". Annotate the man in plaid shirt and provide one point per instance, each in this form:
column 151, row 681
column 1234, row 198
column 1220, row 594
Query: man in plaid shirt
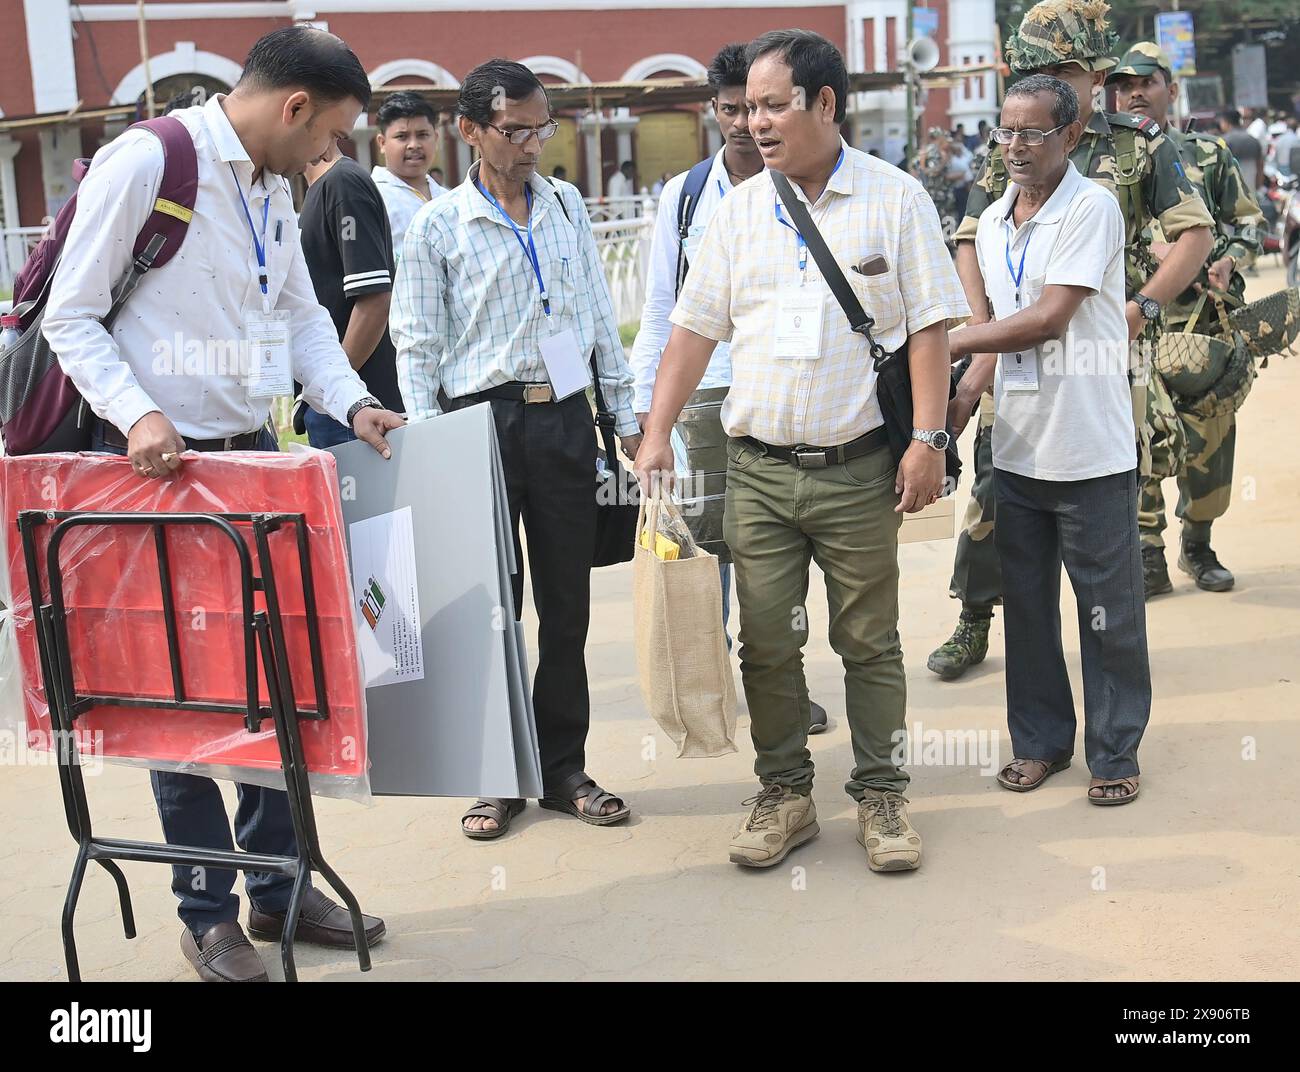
column 499, row 290
column 810, row 473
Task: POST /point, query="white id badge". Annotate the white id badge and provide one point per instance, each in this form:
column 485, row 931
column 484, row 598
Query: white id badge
column 565, row 367
column 1020, row 371
column 799, row 323
column 694, row 236
column 269, row 337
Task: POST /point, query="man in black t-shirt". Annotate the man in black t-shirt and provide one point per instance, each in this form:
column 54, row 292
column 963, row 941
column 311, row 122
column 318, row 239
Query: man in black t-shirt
column 349, row 251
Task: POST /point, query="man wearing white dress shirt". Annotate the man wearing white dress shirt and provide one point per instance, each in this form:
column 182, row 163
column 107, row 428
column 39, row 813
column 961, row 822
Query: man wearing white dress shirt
column 408, row 139
column 622, row 183
column 670, row 253
column 301, row 90
column 622, row 189
column 736, row 161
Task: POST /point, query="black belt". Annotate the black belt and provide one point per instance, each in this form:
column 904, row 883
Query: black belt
column 243, row 441
column 514, row 392
column 805, row 457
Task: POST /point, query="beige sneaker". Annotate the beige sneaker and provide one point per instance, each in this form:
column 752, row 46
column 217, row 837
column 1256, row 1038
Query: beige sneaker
column 883, row 830
column 780, row 821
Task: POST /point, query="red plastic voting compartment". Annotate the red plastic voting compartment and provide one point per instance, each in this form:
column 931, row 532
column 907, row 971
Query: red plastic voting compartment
column 116, row 629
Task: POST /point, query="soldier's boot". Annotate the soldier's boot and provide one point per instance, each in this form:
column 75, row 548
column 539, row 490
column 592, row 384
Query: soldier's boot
column 1155, row 574
column 818, row 722
column 966, row 647
column 1199, row 561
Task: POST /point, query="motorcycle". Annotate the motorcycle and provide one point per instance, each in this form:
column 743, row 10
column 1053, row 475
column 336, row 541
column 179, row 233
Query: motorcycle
column 1290, row 229
column 1285, row 239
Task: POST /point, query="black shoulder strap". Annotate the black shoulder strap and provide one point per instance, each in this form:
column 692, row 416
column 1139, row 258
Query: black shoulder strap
column 859, row 320
column 560, row 198
column 696, row 179
column 604, row 418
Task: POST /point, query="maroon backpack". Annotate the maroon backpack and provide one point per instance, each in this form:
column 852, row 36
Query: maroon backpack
column 40, row 409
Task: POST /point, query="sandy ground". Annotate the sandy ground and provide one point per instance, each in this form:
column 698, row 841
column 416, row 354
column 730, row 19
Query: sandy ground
column 1191, row 881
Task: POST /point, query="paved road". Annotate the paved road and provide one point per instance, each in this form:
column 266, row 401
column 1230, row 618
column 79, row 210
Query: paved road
column 1190, row 882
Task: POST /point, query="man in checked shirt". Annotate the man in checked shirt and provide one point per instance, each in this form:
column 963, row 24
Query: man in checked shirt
column 810, row 473
column 500, row 297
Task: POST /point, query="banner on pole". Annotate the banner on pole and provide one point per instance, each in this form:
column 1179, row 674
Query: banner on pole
column 1175, row 34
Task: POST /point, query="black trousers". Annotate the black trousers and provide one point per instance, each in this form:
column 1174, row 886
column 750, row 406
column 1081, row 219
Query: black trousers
column 1091, row 527
column 548, row 454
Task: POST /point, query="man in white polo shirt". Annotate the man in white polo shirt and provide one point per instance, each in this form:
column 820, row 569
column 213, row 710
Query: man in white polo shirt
column 1051, row 251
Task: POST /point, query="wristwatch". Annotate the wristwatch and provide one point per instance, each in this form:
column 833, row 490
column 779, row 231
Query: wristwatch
column 365, row 403
column 1148, row 307
column 937, row 440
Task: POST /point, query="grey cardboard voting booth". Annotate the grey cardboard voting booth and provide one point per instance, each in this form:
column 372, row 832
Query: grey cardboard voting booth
column 447, row 684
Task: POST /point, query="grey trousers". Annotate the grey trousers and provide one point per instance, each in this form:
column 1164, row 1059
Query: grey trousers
column 1091, row 527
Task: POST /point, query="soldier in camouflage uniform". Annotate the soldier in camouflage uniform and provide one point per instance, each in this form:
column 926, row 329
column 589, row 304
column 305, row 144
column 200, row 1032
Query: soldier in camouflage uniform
column 1145, row 86
column 1131, row 157
column 933, row 173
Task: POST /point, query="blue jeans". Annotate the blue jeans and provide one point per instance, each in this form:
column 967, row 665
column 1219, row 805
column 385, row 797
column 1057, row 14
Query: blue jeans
column 324, row 431
column 192, row 813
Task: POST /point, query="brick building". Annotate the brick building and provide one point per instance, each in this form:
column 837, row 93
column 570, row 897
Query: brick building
column 65, row 57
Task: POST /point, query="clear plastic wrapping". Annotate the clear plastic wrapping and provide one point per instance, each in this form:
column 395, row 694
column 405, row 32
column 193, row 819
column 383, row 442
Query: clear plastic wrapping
column 117, row 627
column 664, row 522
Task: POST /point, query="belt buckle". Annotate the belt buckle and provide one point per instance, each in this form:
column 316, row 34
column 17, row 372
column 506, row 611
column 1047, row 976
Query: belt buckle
column 809, row 458
column 537, row 392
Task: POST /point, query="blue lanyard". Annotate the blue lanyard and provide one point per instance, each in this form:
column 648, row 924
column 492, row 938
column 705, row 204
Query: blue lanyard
column 1017, row 276
column 722, row 192
column 259, row 244
column 780, row 218
column 529, row 247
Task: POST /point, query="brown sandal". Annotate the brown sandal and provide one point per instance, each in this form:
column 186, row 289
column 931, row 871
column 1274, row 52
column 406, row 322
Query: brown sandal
column 593, row 800
column 499, row 809
column 1131, row 784
column 1022, row 766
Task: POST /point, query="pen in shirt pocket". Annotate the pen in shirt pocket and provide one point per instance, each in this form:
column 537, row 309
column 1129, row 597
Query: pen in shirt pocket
column 279, row 227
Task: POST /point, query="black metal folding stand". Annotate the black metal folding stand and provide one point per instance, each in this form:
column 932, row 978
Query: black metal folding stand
column 263, row 631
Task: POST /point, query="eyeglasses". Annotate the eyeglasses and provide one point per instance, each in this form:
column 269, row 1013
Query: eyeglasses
column 517, row 137
column 1030, row 136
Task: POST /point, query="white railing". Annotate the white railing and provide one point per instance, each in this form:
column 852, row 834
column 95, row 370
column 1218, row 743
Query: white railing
column 15, row 244
column 618, row 208
column 622, row 239
column 624, row 248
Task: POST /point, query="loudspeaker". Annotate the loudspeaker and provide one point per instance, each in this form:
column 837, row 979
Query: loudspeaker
column 922, row 54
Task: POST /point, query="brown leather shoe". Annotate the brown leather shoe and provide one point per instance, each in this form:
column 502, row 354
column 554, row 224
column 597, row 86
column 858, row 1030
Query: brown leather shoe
column 223, row 954
column 321, row 922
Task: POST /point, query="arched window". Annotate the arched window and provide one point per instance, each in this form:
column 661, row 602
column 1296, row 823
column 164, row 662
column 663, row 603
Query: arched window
column 183, row 68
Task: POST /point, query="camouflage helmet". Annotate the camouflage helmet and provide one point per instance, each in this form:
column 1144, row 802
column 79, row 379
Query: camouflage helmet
column 1270, row 325
column 1230, row 390
column 1191, row 364
column 1063, row 31
column 1142, row 59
